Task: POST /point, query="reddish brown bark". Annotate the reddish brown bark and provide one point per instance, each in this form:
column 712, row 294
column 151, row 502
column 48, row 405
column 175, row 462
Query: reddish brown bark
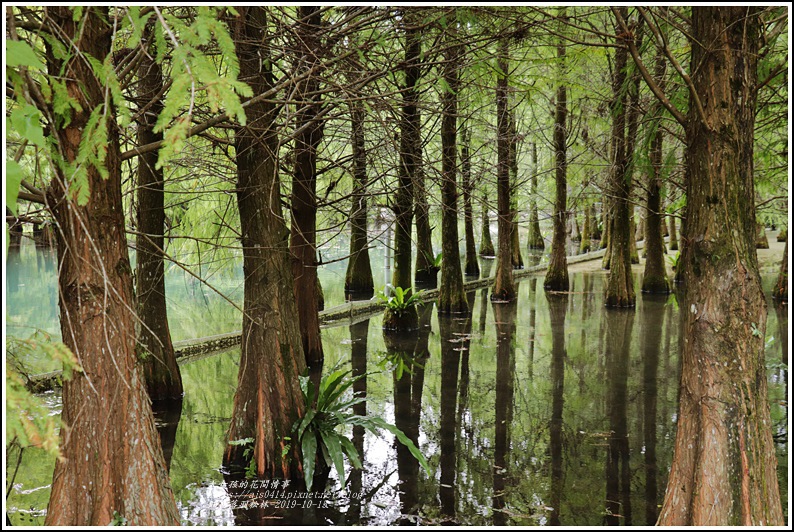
column 724, row 464
column 268, row 399
column 113, row 461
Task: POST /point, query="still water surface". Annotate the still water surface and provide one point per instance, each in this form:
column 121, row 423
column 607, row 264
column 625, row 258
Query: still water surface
column 549, row 410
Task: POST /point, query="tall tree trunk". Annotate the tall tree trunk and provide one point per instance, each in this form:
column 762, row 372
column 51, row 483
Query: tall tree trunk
column 655, row 278
column 535, row 238
column 724, row 469
column 517, row 260
column 451, row 296
column 472, row 265
column 155, row 350
column 303, row 237
column 619, row 290
column 486, row 244
column 358, row 278
column 426, row 269
column 268, row 399
column 504, row 288
column 113, row 460
column 403, row 197
column 557, row 272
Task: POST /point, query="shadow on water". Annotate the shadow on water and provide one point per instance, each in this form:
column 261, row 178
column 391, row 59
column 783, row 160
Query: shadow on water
column 558, row 305
column 166, row 418
column 652, row 320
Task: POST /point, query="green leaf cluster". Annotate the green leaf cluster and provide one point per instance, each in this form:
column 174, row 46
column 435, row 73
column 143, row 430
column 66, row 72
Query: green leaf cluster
column 327, row 408
column 399, row 299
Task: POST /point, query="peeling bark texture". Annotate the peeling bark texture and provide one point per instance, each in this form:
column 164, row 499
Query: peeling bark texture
column 724, row 467
column 268, row 399
column 504, row 287
column 486, row 244
column 155, row 350
column 619, row 290
column 535, row 238
column 303, row 237
column 358, row 278
column 409, row 161
column 451, row 296
column 781, row 286
column 557, row 272
column 113, row 460
column 472, row 268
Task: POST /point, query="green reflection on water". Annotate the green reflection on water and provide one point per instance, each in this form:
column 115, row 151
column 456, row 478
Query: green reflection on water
column 547, row 475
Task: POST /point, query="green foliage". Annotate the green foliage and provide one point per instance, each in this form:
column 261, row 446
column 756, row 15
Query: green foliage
column 20, row 54
column 28, row 421
column 13, row 180
column 399, row 300
column 118, row 519
column 327, row 408
column 194, row 70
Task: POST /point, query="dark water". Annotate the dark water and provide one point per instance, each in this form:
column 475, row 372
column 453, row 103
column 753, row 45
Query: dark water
column 549, row 410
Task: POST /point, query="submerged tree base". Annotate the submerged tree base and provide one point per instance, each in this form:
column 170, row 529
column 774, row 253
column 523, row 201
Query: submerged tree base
column 405, row 320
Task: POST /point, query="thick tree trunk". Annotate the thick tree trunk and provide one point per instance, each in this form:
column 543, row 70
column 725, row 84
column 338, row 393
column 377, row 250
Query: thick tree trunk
column 113, row 460
column 451, row 296
column 155, row 350
column 303, row 237
column 724, row 469
column 619, row 291
column 557, row 273
column 762, row 242
column 535, row 238
column 268, row 399
column 358, row 278
column 486, row 244
column 504, row 287
column 426, row 269
column 472, row 268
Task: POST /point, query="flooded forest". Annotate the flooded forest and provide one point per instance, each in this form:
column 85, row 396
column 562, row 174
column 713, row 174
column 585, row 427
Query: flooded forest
column 367, row 265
